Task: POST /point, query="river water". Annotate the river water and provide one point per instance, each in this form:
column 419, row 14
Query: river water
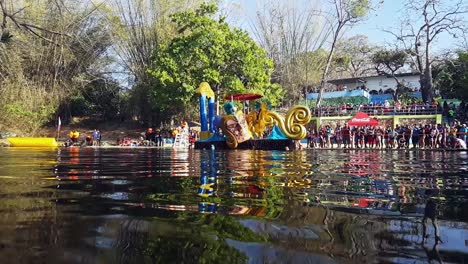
column 143, row 205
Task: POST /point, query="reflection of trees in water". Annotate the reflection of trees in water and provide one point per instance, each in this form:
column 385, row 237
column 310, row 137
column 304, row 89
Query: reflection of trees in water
column 202, row 241
column 191, row 250
column 132, row 240
column 341, row 235
column 366, row 238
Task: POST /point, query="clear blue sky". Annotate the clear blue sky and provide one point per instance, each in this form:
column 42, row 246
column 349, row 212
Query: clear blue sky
column 387, row 16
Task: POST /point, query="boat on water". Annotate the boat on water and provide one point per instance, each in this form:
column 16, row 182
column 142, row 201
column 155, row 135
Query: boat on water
column 32, row 142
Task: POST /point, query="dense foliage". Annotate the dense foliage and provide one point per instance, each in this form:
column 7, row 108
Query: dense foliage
column 208, row 50
column 144, row 60
column 354, row 57
column 48, row 56
column 451, row 77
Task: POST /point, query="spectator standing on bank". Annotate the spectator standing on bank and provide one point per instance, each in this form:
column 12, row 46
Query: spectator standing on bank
column 451, row 116
column 150, row 136
column 73, row 136
column 96, row 137
column 415, row 136
column 346, row 133
column 159, row 137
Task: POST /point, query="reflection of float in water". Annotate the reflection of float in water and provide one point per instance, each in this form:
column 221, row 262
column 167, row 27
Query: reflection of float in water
column 77, row 167
column 244, row 186
column 180, row 160
column 355, row 203
column 206, row 208
column 363, row 164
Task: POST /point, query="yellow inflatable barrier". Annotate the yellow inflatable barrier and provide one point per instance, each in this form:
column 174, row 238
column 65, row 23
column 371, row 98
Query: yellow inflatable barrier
column 32, row 142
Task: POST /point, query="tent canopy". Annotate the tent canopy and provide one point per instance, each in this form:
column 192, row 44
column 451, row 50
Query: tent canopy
column 362, row 119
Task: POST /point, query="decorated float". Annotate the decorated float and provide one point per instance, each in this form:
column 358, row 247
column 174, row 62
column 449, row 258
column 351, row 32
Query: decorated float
column 257, row 128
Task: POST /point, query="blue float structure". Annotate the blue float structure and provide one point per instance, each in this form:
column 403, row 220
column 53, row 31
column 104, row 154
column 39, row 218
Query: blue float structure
column 207, row 121
column 258, row 129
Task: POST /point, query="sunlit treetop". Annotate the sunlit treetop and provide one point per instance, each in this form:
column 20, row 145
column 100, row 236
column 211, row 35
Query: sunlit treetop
column 209, row 50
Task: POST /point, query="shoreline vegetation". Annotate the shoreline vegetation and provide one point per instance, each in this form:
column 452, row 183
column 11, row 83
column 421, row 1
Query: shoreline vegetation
column 128, row 60
column 111, row 131
column 122, row 61
column 109, row 145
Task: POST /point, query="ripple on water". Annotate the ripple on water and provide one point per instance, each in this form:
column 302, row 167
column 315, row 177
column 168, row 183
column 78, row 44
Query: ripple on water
column 320, row 206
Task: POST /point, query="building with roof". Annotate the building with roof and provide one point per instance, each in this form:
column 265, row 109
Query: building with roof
column 370, row 89
column 377, row 84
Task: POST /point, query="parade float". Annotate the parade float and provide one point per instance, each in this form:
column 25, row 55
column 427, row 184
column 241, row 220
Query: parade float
column 257, row 128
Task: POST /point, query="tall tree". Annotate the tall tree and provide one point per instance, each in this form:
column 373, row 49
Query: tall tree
column 140, row 26
column 427, row 21
column 305, row 72
column 390, row 63
column 291, row 32
column 345, row 13
column 51, row 53
column 11, row 14
column 451, row 76
column 354, row 57
column 208, row 50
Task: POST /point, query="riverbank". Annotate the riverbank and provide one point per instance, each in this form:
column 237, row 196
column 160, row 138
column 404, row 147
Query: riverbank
column 111, row 131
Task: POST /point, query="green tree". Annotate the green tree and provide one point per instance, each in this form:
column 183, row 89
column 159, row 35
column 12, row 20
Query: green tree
column 390, row 63
column 306, row 69
column 52, row 52
column 451, row 77
column 208, row 50
column 354, row 57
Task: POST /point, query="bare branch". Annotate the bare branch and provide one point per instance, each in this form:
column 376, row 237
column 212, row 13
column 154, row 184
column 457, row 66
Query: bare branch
column 29, row 26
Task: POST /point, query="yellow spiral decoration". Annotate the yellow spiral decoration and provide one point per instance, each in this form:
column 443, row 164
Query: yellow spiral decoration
column 255, row 121
column 296, row 120
column 231, row 139
column 293, row 126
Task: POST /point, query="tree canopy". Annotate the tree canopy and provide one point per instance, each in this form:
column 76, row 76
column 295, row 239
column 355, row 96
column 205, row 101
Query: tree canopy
column 143, row 60
column 451, row 77
column 426, row 22
column 208, row 50
column 291, row 35
column 47, row 56
column 354, row 57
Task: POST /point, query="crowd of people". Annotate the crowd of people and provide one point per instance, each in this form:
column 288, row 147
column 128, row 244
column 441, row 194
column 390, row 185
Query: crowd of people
column 452, row 134
column 160, row 137
column 449, row 110
column 151, row 137
column 74, row 139
column 427, row 136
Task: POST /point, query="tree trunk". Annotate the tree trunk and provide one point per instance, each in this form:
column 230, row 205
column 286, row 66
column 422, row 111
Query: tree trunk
column 426, row 81
column 323, row 82
column 3, row 22
column 427, row 88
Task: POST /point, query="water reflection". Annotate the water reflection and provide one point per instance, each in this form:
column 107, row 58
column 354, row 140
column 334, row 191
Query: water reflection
column 162, row 205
